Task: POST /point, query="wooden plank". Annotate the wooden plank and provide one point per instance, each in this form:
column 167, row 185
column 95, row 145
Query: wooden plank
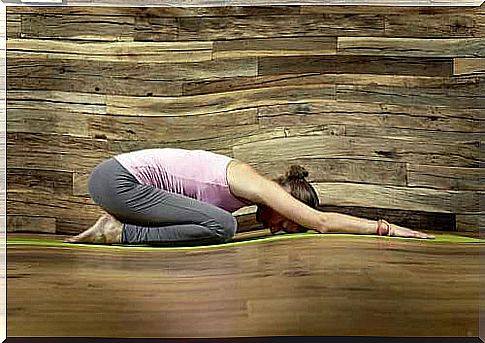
column 56, row 100
column 432, row 25
column 36, row 180
column 340, row 170
column 440, row 177
column 84, row 76
column 80, row 183
column 273, row 26
column 60, row 206
column 125, row 78
column 135, row 52
column 159, row 11
column 470, row 222
column 125, row 127
column 420, row 7
column 31, row 224
column 31, row 120
column 407, row 47
column 356, row 65
column 174, row 134
column 300, row 46
column 138, row 71
column 408, row 81
column 55, row 152
column 248, row 223
column 469, row 97
column 219, row 3
column 416, row 135
column 79, row 27
column 361, row 2
column 389, row 149
column 407, row 198
column 75, row 10
column 223, row 141
column 468, row 66
column 246, row 83
column 149, row 28
column 172, row 128
column 212, row 103
column 13, row 26
column 371, row 114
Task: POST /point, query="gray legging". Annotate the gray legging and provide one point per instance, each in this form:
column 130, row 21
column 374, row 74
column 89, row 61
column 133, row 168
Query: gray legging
column 154, row 216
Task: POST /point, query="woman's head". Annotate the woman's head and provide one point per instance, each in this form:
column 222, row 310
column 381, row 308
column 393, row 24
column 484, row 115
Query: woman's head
column 295, row 183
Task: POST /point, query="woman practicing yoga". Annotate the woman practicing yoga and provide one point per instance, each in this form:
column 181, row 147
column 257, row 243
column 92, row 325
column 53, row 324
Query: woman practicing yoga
column 180, row 197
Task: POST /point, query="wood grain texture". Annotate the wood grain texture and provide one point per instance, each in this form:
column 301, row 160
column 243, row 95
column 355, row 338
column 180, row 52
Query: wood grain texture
column 340, row 170
column 127, row 127
column 55, row 152
column 454, row 98
column 406, row 47
column 158, row 11
column 277, row 289
column 416, row 135
column 432, row 25
column 135, row 52
column 58, row 26
column 390, row 149
column 272, row 26
column 384, row 96
column 468, row 66
column 356, row 65
column 328, row 112
column 13, row 26
column 214, row 3
column 470, row 222
column 393, row 7
column 275, row 47
column 216, row 102
column 125, row 78
column 42, row 181
column 417, row 199
column 453, row 178
column 56, row 101
column 31, row 224
column 258, row 82
column 44, row 204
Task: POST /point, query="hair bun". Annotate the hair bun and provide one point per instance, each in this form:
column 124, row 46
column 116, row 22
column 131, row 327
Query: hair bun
column 296, row 172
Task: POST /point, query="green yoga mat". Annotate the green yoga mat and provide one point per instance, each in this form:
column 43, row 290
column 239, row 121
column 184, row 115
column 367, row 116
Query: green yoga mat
column 440, row 239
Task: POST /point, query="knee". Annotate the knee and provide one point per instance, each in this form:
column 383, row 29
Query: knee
column 225, row 229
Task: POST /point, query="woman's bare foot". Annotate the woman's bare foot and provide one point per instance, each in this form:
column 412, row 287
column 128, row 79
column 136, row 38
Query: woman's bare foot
column 107, row 230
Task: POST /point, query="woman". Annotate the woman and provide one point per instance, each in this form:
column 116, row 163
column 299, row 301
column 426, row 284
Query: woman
column 184, row 197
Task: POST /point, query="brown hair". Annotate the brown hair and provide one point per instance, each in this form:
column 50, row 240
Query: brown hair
column 295, row 181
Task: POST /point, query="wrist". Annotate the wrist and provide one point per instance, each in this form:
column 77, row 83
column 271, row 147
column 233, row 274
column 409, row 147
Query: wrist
column 383, row 228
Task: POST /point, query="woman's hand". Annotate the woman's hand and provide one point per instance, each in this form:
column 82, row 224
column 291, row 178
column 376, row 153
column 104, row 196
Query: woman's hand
column 399, row 231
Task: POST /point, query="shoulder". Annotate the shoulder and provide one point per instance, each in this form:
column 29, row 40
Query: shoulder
column 244, row 181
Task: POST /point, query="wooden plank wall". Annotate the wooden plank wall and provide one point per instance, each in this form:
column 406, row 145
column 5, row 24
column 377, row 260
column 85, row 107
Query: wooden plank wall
column 381, row 104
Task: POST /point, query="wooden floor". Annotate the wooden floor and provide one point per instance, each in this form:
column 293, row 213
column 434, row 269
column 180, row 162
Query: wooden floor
column 311, row 286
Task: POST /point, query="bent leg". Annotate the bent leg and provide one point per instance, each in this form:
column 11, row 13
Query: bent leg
column 163, row 217
column 151, row 215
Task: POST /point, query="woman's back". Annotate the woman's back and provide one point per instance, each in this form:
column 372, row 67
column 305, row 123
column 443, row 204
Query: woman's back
column 197, row 174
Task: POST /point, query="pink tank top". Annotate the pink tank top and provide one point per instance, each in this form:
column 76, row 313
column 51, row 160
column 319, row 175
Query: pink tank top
column 197, row 174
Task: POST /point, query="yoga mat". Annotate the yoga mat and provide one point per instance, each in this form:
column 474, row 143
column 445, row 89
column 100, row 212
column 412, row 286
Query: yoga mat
column 440, row 239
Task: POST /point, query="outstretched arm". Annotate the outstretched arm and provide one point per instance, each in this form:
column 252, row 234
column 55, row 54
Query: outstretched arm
column 247, row 183
column 336, row 222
